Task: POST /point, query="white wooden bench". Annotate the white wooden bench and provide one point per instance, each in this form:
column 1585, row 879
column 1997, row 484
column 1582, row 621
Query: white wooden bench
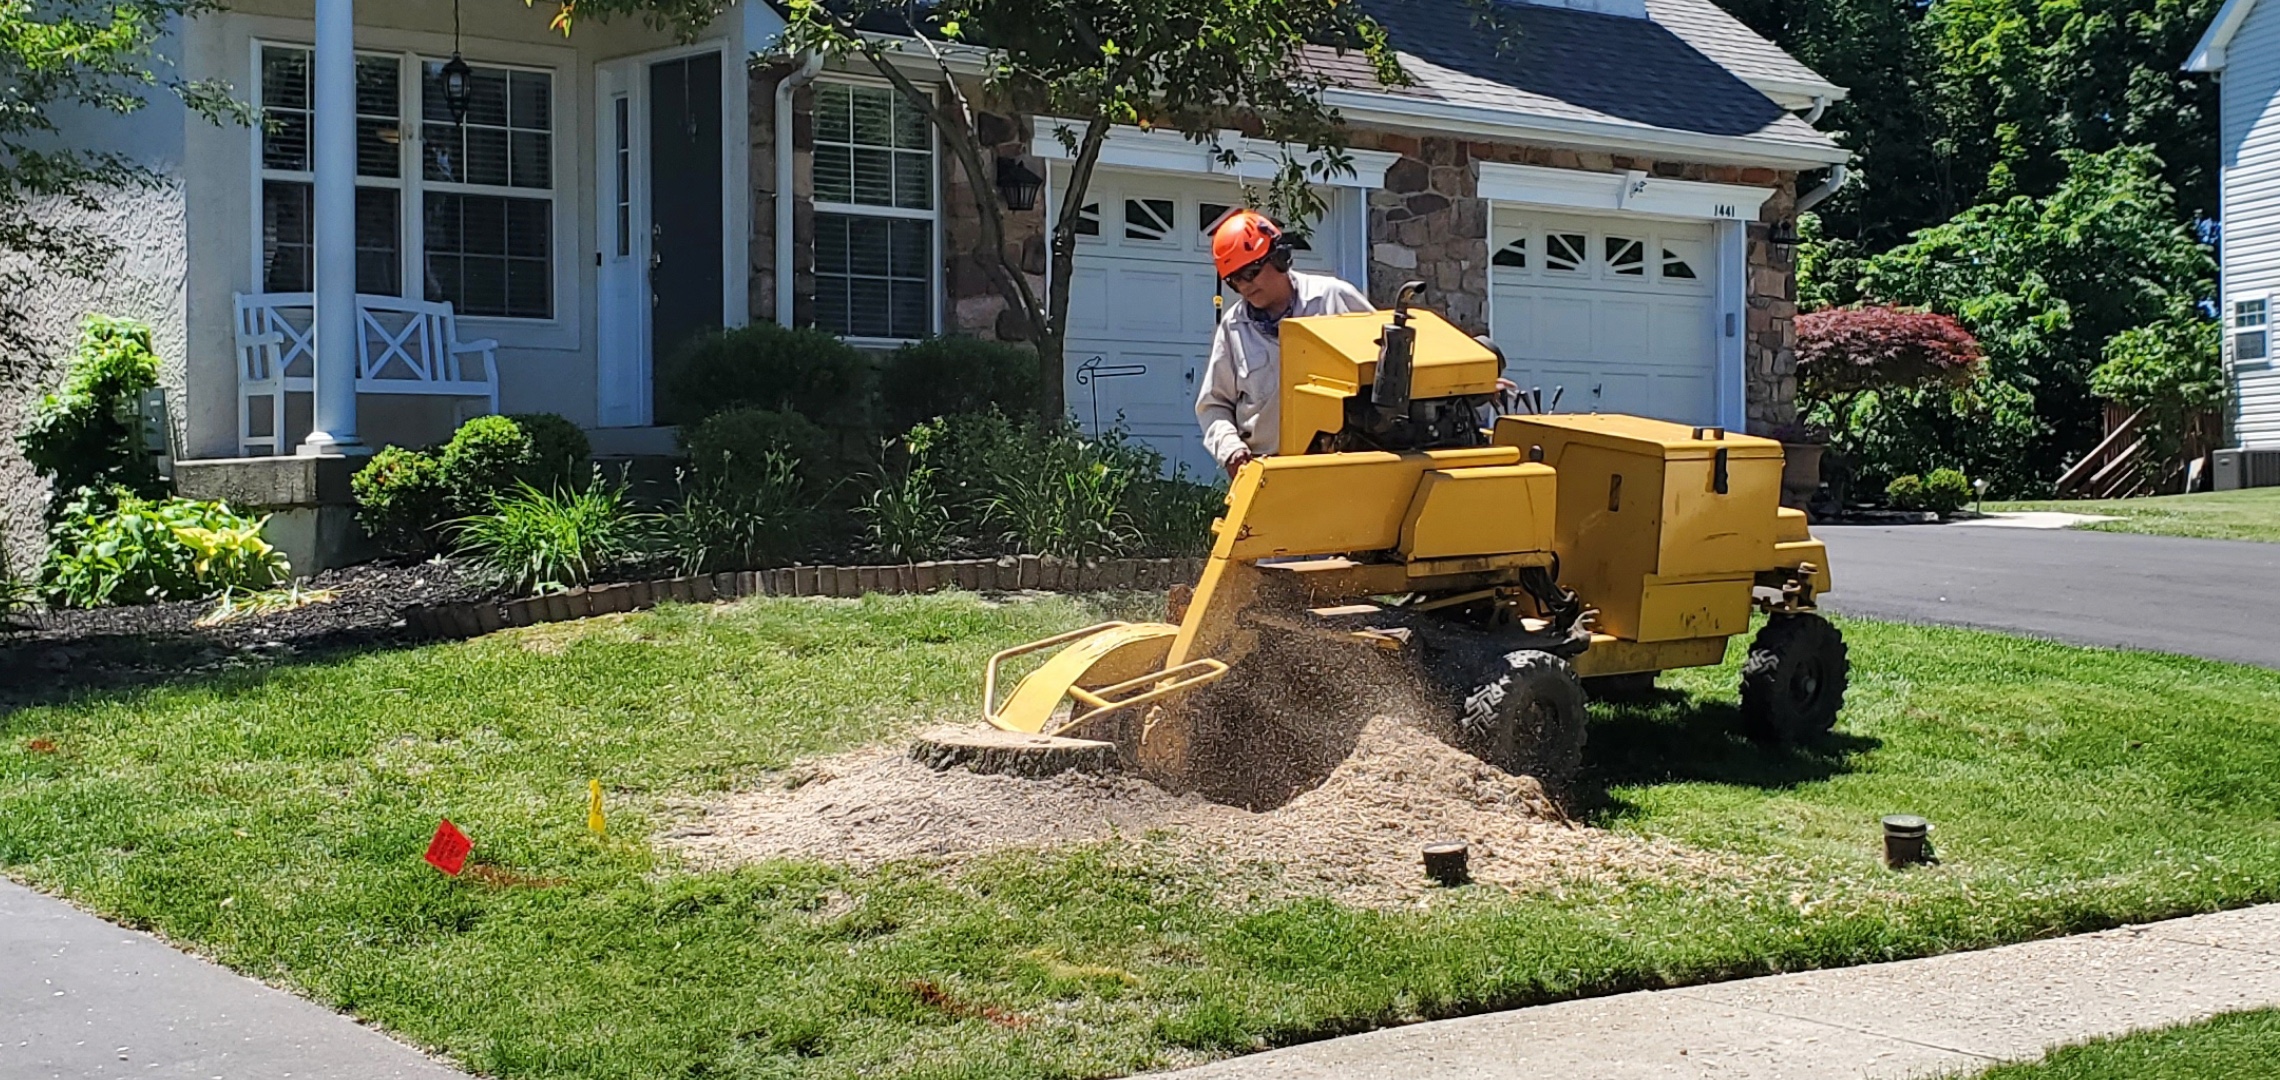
column 402, row 347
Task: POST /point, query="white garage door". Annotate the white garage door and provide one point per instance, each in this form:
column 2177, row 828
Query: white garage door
column 1140, row 306
column 1618, row 312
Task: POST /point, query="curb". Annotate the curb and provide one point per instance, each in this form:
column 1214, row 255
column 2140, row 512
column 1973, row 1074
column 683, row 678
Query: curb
column 1004, row 574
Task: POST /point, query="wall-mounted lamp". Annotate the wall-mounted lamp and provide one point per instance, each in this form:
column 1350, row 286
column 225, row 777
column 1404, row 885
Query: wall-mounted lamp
column 1017, row 185
column 1784, row 234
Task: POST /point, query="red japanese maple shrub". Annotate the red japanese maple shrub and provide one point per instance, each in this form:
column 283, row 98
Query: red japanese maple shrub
column 1843, row 351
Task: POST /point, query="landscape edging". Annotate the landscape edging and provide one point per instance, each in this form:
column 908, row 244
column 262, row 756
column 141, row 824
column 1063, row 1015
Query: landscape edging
column 1007, row 573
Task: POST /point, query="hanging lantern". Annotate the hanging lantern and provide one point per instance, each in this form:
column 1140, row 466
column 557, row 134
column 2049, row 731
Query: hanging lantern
column 458, row 78
column 458, row 88
column 1017, row 185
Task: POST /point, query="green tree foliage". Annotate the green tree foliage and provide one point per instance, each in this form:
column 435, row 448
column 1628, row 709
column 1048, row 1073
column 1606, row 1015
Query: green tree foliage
column 1195, row 66
column 2018, row 84
column 2044, row 283
column 2170, row 371
column 1880, row 53
column 57, row 56
column 1953, row 103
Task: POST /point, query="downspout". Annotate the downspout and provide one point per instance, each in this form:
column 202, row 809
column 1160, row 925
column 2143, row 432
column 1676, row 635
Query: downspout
column 1838, row 174
column 1820, row 105
column 810, row 65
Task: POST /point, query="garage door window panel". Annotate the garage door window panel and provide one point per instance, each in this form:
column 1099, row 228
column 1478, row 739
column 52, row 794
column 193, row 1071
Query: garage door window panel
column 1567, row 253
column 1149, row 220
column 1678, row 259
column 1626, row 257
column 875, row 259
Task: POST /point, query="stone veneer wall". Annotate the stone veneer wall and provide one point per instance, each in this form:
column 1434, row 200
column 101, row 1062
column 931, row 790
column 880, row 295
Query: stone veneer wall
column 1428, row 222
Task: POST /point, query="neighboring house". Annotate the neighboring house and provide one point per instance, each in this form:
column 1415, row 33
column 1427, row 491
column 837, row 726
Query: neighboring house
column 1600, row 197
column 2242, row 48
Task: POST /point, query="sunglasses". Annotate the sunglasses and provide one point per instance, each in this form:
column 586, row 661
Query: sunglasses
column 1247, row 274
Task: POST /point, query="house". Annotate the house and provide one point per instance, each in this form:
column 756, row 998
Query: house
column 1602, row 197
column 2242, row 48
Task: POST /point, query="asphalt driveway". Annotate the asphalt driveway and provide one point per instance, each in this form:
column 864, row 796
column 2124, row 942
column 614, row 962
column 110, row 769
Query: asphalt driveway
column 2214, row 598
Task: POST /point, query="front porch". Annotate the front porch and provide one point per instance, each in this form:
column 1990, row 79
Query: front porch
column 440, row 223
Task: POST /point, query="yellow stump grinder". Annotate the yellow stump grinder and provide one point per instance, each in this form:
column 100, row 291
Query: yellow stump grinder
column 1504, row 570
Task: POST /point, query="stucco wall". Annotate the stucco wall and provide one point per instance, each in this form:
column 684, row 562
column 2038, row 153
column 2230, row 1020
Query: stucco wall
column 145, row 281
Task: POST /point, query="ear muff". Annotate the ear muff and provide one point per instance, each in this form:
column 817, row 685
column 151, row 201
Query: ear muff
column 1280, row 252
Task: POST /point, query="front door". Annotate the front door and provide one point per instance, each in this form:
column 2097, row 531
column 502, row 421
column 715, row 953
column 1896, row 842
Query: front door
column 684, row 210
column 660, row 224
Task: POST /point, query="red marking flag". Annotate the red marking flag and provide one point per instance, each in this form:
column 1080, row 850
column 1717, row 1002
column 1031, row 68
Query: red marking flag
column 448, row 851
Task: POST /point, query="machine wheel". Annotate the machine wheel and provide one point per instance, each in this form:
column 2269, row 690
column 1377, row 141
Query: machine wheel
column 1526, row 717
column 1638, row 686
column 1793, row 682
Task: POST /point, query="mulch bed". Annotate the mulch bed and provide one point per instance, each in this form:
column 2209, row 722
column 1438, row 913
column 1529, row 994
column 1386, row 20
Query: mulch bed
column 51, row 652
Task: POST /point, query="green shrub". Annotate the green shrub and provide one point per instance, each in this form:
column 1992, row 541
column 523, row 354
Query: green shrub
column 731, row 449
column 762, row 520
column 560, row 454
column 965, row 453
column 765, row 366
column 1989, row 430
column 1061, row 495
column 1174, row 515
column 486, row 456
column 533, row 541
column 905, row 517
column 402, row 499
column 1905, row 492
column 1946, row 491
column 86, row 437
column 120, row 548
column 999, row 485
column 946, row 376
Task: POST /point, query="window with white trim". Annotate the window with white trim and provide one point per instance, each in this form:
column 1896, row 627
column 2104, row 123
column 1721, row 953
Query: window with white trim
column 2251, row 329
column 875, row 263
column 482, row 192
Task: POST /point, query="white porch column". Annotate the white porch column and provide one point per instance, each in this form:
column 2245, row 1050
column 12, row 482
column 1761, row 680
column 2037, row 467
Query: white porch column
column 333, row 145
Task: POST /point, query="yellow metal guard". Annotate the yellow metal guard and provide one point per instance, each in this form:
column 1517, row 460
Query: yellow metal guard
column 1105, row 668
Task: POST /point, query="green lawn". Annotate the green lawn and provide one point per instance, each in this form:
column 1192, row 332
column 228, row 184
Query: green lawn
column 273, row 819
column 2218, row 515
column 2239, row 1046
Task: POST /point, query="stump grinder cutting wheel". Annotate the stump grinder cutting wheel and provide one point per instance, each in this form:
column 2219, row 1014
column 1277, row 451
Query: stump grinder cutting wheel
column 1498, row 570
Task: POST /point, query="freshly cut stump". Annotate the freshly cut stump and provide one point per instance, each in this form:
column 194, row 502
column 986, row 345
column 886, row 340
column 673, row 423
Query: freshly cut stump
column 985, row 749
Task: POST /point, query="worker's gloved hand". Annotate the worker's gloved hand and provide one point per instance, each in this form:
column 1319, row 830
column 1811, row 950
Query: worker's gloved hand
column 1235, row 462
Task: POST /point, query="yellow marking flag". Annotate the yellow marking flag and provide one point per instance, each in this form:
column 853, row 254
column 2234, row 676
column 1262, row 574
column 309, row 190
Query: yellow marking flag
column 594, row 808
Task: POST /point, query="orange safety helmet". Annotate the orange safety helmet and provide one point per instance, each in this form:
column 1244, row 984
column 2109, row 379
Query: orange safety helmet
column 1245, row 237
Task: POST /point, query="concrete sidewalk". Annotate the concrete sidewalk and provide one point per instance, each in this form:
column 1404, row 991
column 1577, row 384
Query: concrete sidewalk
column 80, row 997
column 1944, row 1015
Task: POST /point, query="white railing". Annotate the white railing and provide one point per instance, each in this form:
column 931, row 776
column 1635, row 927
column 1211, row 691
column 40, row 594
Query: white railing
column 402, row 347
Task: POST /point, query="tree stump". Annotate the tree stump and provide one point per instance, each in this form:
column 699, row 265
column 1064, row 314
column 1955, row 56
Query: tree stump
column 992, row 750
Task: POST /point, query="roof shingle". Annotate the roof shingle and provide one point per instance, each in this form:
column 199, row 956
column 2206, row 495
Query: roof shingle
column 1575, row 65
